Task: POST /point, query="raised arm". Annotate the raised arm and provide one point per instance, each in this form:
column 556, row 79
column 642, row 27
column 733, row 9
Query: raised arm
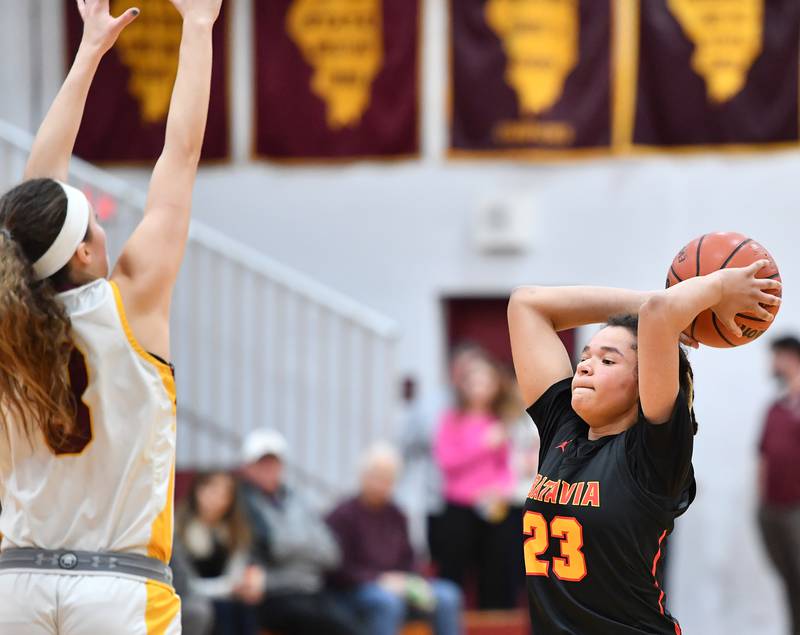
column 667, row 313
column 148, row 267
column 52, row 148
column 536, row 314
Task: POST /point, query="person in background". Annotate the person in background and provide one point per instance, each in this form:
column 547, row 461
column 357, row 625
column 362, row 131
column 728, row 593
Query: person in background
column 419, row 489
column 472, row 450
column 377, row 572
column 779, row 475
column 215, row 537
column 524, row 440
column 293, row 543
column 197, row 612
column 461, row 357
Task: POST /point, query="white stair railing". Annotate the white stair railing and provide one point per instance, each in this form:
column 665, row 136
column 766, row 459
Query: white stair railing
column 256, row 344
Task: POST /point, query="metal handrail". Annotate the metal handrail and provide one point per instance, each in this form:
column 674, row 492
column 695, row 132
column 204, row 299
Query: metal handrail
column 221, row 244
column 257, row 343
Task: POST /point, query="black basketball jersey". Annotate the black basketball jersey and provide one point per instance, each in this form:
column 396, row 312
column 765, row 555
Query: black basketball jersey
column 597, row 519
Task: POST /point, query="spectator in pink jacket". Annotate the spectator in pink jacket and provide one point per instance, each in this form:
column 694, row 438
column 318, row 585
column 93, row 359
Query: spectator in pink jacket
column 476, row 533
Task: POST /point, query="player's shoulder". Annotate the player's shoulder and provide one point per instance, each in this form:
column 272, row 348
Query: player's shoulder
column 85, row 296
column 557, row 399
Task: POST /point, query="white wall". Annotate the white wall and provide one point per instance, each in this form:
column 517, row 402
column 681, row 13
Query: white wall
column 396, row 238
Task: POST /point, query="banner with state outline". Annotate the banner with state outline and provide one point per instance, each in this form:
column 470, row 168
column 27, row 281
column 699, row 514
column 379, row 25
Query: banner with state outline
column 336, row 80
column 531, row 77
column 543, row 79
column 126, row 112
column 721, row 73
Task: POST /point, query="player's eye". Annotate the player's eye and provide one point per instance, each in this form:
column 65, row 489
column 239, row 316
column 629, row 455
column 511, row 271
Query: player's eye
column 608, row 362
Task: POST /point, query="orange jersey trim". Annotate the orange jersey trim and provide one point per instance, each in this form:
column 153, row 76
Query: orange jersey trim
column 163, row 606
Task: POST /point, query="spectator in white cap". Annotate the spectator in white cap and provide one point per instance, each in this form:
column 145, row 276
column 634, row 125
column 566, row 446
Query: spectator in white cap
column 293, row 543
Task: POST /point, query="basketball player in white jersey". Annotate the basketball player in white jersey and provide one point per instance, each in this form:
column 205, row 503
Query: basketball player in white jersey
column 87, row 400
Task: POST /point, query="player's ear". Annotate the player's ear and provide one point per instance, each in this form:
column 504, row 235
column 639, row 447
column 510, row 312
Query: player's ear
column 82, row 257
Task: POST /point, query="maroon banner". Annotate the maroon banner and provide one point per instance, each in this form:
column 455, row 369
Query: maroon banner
column 126, row 112
column 530, row 75
column 718, row 72
column 337, row 79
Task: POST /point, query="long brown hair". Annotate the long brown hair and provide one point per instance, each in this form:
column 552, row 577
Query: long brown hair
column 238, row 535
column 506, row 404
column 35, row 343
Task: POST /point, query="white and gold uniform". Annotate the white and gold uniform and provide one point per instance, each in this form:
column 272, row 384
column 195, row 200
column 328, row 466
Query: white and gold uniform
column 109, row 491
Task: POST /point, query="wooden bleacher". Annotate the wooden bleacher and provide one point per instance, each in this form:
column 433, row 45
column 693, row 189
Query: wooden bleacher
column 475, row 623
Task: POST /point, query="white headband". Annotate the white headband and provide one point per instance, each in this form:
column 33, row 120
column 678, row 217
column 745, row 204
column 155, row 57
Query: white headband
column 71, row 235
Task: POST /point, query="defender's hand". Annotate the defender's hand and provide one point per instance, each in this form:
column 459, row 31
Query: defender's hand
column 100, row 29
column 206, row 10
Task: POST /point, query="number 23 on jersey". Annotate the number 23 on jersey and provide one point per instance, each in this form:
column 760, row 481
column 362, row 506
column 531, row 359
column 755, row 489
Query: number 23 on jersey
column 571, row 565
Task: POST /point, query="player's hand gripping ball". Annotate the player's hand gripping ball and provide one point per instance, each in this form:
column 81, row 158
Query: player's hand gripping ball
column 709, row 253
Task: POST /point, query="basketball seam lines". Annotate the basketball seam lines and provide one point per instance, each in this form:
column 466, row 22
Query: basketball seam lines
column 733, row 253
column 697, row 255
column 740, row 315
column 724, row 265
column 721, row 334
column 677, row 277
column 748, row 317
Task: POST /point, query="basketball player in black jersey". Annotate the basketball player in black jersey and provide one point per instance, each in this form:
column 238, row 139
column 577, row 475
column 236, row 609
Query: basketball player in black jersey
column 615, row 464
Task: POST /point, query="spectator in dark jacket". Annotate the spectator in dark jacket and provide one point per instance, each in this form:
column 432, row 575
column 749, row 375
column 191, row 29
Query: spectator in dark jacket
column 295, row 545
column 376, row 577
column 197, row 612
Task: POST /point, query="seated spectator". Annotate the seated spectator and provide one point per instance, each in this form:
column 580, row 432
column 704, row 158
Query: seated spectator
column 213, row 533
column 197, row 612
column 294, row 544
column 376, row 576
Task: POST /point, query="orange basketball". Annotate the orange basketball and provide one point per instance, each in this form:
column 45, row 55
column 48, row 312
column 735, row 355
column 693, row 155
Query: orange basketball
column 709, row 253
